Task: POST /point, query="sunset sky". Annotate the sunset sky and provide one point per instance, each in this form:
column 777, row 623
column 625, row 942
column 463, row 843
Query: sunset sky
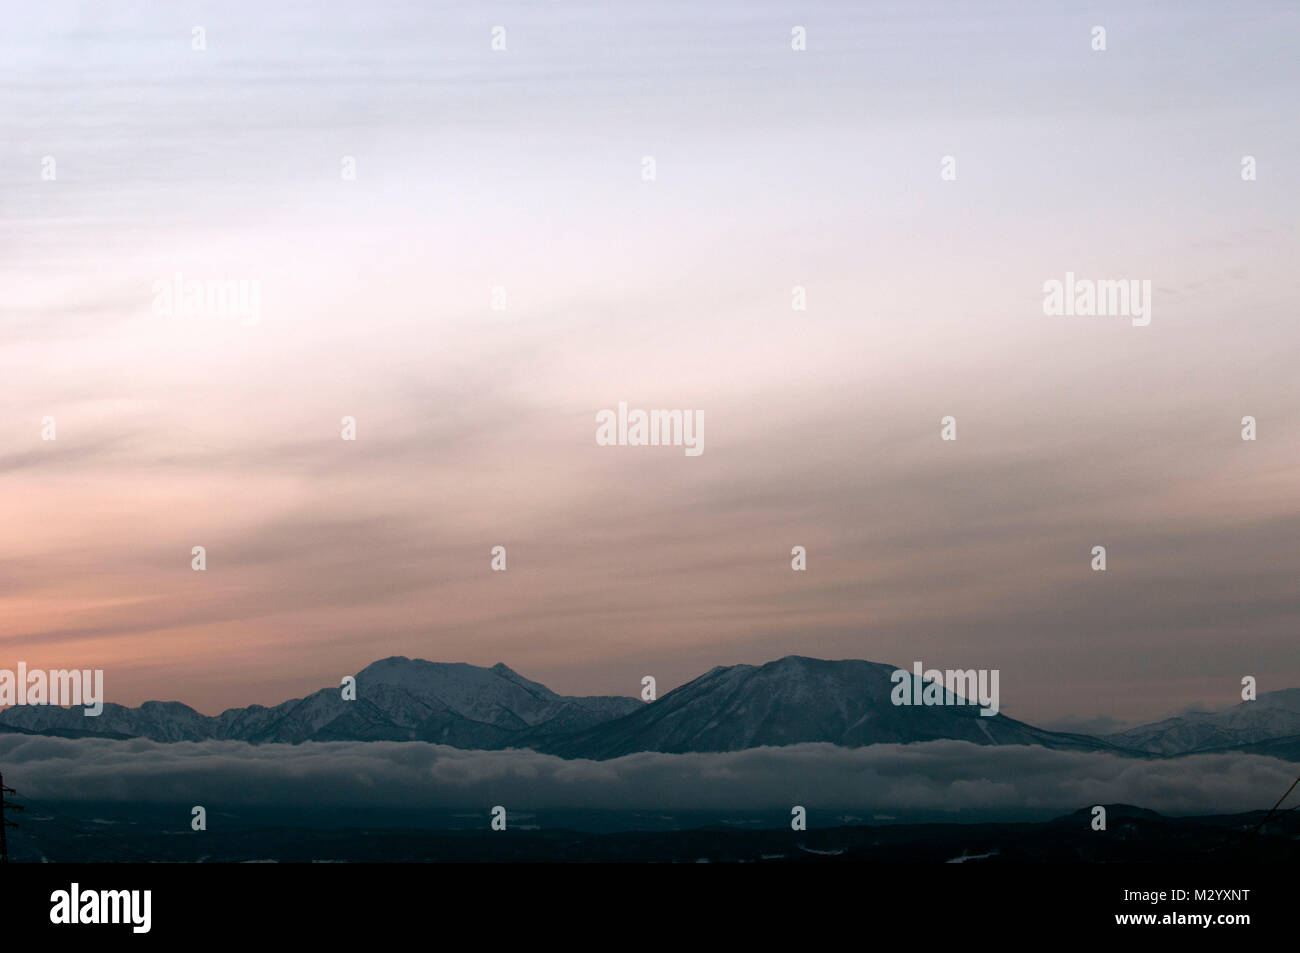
column 522, row 169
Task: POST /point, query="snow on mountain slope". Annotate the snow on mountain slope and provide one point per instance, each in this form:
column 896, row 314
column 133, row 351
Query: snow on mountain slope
column 1274, row 715
column 398, row 699
column 795, row 700
column 729, row 708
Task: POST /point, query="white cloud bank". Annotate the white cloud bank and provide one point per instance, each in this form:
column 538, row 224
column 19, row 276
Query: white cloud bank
column 934, row 776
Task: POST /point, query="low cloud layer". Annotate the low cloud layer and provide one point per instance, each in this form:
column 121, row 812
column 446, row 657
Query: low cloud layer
column 934, row 776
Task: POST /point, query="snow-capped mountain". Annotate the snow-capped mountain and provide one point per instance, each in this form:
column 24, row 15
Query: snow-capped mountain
column 730, row 708
column 793, row 700
column 398, row 699
column 1272, row 716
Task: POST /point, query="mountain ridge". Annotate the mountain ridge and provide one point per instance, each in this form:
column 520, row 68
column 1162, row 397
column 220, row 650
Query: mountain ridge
column 792, row 700
column 1269, row 718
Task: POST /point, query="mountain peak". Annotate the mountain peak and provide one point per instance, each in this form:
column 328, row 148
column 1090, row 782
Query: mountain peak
column 795, row 700
column 791, row 700
column 392, row 660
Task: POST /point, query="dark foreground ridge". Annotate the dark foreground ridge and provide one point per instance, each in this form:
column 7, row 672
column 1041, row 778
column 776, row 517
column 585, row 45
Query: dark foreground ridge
column 1133, row 835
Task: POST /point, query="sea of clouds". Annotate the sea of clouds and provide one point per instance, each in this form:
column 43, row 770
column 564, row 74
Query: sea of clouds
column 934, row 776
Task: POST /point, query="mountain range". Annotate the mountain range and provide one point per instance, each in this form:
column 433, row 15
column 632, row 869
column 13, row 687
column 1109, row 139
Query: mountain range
column 1268, row 725
column 730, row 708
column 398, row 699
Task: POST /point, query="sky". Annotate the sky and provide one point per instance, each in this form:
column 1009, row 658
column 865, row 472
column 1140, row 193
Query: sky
column 522, row 169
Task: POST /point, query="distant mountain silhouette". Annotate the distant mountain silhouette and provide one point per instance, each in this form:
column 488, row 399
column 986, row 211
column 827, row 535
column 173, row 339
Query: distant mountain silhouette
column 793, row 700
column 1269, row 724
column 398, row 699
column 729, row 708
